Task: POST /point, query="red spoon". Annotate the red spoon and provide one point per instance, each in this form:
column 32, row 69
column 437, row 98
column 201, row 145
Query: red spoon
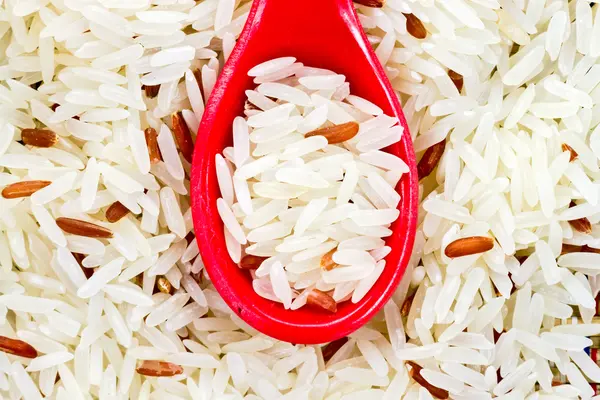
column 319, row 33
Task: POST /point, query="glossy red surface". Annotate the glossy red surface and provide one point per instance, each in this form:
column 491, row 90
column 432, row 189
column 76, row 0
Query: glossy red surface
column 319, row 33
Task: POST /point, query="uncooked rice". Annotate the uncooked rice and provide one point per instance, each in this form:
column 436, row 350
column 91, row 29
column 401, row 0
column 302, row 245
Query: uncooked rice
column 510, row 86
column 304, row 188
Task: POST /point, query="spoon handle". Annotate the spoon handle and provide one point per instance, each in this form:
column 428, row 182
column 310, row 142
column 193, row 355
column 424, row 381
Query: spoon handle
column 305, row 17
column 298, row 28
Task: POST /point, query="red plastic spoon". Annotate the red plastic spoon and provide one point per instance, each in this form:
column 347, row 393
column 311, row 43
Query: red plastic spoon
column 319, row 33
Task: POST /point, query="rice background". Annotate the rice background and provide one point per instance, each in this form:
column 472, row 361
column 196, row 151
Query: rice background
column 520, row 118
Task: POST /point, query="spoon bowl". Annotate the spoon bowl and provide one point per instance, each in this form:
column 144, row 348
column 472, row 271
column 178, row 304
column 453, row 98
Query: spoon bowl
column 319, row 33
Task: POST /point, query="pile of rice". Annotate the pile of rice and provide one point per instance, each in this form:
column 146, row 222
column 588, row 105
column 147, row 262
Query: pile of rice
column 506, row 90
column 307, row 159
